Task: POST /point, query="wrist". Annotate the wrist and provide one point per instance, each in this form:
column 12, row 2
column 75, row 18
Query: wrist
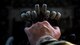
column 44, row 39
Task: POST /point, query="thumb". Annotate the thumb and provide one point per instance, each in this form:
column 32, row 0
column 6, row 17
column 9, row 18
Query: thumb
column 26, row 30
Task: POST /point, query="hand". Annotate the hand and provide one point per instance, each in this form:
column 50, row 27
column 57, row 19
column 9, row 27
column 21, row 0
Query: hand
column 41, row 13
column 40, row 29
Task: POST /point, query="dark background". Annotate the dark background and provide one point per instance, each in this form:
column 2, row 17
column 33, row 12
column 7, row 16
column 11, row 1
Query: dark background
column 11, row 24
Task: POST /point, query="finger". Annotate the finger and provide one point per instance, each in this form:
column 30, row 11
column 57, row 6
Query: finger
column 53, row 15
column 23, row 15
column 44, row 8
column 58, row 16
column 26, row 30
column 57, row 32
column 34, row 26
column 28, row 12
column 37, row 8
column 45, row 23
column 56, row 28
column 47, row 14
column 26, row 16
column 33, row 15
column 39, row 24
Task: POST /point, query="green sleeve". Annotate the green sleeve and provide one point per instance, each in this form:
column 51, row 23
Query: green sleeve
column 56, row 43
column 48, row 40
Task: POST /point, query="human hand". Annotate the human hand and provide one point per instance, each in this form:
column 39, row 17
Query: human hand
column 41, row 29
column 43, row 13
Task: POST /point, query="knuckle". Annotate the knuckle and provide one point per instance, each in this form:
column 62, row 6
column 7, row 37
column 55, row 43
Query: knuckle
column 34, row 14
column 58, row 16
column 45, row 22
column 23, row 15
column 39, row 23
column 53, row 14
column 28, row 12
